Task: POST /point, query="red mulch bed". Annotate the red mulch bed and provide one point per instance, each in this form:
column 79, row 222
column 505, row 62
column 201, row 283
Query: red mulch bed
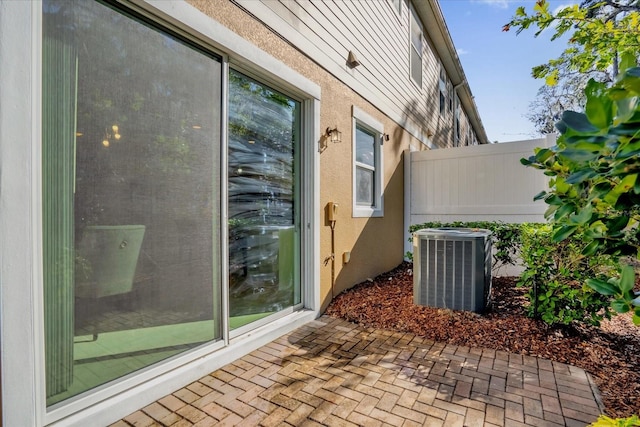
column 611, row 353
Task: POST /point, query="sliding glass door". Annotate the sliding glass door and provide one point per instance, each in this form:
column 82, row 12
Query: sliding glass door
column 131, row 195
column 132, row 201
column 264, row 209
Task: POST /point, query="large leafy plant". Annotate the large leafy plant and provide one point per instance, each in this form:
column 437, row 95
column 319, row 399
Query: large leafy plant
column 595, row 185
column 599, row 33
column 604, row 421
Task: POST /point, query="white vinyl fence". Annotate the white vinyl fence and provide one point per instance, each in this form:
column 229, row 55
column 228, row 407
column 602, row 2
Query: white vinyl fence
column 477, row 183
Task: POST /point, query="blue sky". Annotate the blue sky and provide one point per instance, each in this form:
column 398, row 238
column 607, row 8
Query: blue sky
column 498, row 64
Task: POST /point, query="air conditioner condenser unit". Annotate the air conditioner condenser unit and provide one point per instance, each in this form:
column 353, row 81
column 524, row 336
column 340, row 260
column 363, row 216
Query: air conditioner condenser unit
column 452, row 268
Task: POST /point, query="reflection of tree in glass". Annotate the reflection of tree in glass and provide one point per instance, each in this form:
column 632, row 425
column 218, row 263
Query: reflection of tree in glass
column 149, row 95
column 262, row 133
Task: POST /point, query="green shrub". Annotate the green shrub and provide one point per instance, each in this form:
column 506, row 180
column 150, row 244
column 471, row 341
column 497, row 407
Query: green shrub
column 604, row 421
column 555, row 274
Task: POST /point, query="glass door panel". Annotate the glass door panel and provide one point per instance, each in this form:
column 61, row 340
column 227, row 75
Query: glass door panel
column 264, row 130
column 131, row 143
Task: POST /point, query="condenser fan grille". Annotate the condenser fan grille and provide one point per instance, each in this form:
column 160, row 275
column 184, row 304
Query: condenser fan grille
column 453, row 268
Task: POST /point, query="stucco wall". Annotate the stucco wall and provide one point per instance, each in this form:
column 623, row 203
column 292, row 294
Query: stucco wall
column 376, row 244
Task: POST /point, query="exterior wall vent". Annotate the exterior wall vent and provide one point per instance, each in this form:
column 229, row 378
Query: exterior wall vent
column 452, row 268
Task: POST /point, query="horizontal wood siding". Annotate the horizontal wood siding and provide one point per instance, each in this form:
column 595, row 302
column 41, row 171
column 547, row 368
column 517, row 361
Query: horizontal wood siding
column 327, row 30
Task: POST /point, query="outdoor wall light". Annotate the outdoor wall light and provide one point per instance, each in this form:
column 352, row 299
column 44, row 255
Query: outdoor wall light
column 352, row 60
column 334, row 135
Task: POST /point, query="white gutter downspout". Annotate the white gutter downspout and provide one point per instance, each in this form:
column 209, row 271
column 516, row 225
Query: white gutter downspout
column 455, row 118
column 455, row 87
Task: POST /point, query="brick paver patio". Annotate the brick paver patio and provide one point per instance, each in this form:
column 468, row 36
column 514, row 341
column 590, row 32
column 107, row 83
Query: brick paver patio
column 333, row 373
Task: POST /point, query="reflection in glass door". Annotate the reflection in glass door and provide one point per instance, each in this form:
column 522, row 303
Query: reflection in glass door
column 264, row 132
column 131, row 190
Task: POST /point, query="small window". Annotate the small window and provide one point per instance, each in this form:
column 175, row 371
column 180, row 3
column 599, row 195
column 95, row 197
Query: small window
column 472, row 136
column 397, row 6
column 442, row 90
column 416, row 47
column 367, row 165
column 457, row 119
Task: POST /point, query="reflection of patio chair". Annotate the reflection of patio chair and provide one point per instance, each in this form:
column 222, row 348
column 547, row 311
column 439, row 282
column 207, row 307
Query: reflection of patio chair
column 261, row 267
column 106, row 260
column 254, row 266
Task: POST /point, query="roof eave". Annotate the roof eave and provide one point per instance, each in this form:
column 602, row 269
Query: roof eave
column 436, row 27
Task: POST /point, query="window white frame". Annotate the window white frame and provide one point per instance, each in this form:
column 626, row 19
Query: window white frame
column 397, row 6
column 364, row 120
column 457, row 125
column 469, row 134
column 21, row 305
column 415, row 26
column 442, row 90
